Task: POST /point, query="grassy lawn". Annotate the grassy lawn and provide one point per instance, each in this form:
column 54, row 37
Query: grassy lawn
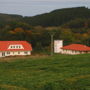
column 58, row 72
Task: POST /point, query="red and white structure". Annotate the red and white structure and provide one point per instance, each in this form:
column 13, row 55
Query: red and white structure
column 71, row 49
column 15, row 48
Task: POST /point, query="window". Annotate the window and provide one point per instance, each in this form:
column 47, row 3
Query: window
column 18, row 52
column 3, row 53
column 26, row 52
column 8, row 52
column 17, row 46
column 13, row 46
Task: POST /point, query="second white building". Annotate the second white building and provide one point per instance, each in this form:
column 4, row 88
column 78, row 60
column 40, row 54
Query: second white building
column 71, row 49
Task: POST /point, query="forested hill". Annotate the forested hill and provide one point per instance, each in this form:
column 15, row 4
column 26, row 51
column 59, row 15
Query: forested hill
column 71, row 25
column 9, row 18
column 59, row 17
column 54, row 18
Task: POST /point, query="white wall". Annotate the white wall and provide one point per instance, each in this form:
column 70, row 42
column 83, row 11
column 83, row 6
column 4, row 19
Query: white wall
column 0, row 54
column 15, row 53
column 72, row 52
column 58, row 44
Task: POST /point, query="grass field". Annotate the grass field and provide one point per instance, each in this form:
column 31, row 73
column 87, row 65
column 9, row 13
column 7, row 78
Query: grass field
column 58, row 72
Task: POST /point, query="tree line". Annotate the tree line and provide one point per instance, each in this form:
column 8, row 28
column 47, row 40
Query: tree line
column 72, row 29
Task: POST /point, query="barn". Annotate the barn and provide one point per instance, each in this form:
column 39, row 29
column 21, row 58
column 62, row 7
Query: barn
column 15, row 48
column 71, row 49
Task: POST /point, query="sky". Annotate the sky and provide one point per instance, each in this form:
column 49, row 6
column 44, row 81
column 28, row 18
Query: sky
column 35, row 7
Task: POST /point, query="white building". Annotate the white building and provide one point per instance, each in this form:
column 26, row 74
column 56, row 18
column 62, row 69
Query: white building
column 71, row 49
column 58, row 44
column 14, row 48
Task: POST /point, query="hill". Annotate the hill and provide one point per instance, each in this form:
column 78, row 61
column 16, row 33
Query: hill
column 71, row 25
column 8, row 18
column 59, row 17
column 54, row 18
column 59, row 72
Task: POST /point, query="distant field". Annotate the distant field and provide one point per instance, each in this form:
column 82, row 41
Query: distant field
column 58, row 72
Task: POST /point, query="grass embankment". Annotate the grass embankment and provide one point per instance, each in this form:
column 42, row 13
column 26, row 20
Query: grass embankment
column 58, row 72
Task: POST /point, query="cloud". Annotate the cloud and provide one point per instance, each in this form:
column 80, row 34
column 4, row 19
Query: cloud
column 56, row 0
column 47, row 0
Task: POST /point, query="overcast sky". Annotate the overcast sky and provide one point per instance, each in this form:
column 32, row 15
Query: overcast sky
column 34, row 7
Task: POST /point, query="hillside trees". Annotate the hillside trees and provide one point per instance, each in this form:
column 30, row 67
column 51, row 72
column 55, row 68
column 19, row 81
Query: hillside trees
column 71, row 25
column 40, row 36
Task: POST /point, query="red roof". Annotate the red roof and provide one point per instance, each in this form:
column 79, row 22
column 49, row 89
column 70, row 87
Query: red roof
column 4, row 45
column 77, row 47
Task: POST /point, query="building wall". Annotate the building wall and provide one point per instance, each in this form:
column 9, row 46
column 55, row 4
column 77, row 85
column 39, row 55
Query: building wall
column 58, row 44
column 0, row 54
column 72, row 52
column 14, row 53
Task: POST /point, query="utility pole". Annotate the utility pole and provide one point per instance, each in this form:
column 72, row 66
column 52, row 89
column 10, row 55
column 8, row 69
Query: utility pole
column 52, row 44
column 51, row 33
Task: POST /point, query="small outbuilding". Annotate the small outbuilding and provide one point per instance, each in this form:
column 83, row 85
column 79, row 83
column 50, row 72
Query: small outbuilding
column 15, row 48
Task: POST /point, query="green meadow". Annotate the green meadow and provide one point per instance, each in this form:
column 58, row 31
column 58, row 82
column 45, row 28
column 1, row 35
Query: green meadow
column 58, row 72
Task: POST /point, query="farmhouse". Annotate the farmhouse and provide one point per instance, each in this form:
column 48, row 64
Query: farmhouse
column 15, row 48
column 71, row 49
